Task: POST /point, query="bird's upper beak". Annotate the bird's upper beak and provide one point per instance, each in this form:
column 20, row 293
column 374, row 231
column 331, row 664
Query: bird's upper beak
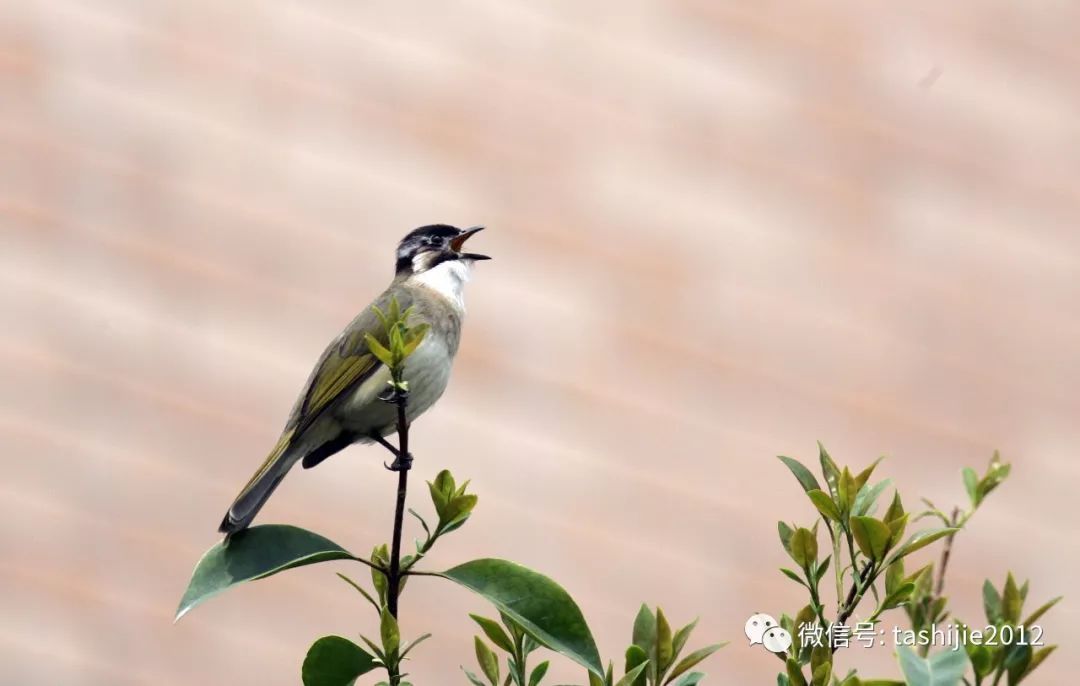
column 458, row 243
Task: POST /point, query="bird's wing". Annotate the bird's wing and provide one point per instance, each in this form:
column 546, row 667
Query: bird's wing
column 345, row 363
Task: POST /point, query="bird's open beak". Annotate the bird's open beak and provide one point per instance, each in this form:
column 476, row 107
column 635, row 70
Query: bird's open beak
column 458, row 243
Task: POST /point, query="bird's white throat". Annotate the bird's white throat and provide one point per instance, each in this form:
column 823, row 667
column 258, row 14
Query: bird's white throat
column 448, row 279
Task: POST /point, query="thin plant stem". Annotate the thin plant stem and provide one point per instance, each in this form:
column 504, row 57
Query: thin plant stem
column 403, row 466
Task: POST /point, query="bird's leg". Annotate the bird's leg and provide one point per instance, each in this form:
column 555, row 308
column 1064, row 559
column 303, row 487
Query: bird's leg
column 401, row 462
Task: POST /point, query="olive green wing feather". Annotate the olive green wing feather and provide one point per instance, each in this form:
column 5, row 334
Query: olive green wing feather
column 345, row 363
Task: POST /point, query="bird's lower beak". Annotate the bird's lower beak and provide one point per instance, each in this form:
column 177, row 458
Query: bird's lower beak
column 458, row 243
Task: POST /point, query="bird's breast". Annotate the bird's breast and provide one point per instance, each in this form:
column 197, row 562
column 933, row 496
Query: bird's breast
column 427, row 371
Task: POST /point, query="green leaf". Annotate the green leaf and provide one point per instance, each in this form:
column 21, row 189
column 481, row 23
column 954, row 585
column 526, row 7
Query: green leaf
column 256, row 553
column 681, row 637
column 785, row 535
column 1011, row 603
column 793, row 576
column 829, row 469
column 691, row 679
column 804, row 548
column 822, row 567
column 864, row 475
column 921, row 540
column 380, row 351
column 896, row 509
column 645, row 628
column 945, row 668
column 971, row 484
column 867, row 497
column 543, row 609
column 824, row 503
column 475, row 680
column 991, row 602
column 894, row 576
column 663, row 641
column 981, row 659
column 538, row 673
column 896, row 529
column 872, row 535
column 494, row 632
column 1037, row 614
column 489, row 664
column 335, row 661
column 1036, row 659
column 1017, row 659
column 442, row 489
column 380, row 555
column 821, row 674
column 389, row 633
column 412, row 644
column 898, row 596
column 693, row 659
column 633, row 676
column 359, row 589
column 805, row 477
column 635, row 656
column 847, row 490
column 794, row 673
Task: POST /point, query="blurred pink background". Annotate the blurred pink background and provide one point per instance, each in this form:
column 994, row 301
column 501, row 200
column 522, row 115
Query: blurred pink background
column 722, row 230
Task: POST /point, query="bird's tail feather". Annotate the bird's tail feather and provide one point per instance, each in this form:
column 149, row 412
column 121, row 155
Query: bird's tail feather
column 258, row 490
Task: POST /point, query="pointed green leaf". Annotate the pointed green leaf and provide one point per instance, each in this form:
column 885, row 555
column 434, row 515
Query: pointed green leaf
column 538, row 673
column 633, row 676
column 894, row 576
column 898, row 596
column 256, row 553
column 540, row 606
column 804, row 548
column 489, row 664
column 645, row 629
column 335, row 661
column 793, row 576
column 794, row 673
column 494, row 632
column 785, row 535
column 805, row 477
column 635, row 656
column 921, row 540
column 824, row 503
column 678, row 642
column 829, row 469
column 867, row 497
column 693, row 659
column 872, row 535
column 388, row 632
column 1011, row 602
column 864, row 475
column 473, row 679
column 971, row 485
column 1036, row 659
column 663, row 641
column 821, row 674
column 847, row 491
column 1037, row 614
column 991, row 602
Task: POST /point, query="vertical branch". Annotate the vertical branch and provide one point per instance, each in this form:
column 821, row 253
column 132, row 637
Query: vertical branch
column 402, row 465
column 939, row 587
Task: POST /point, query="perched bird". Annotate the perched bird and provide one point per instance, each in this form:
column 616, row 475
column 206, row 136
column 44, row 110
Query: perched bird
column 340, row 403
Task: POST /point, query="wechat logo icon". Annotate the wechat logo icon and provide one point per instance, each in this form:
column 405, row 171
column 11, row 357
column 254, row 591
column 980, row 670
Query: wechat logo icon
column 763, row 629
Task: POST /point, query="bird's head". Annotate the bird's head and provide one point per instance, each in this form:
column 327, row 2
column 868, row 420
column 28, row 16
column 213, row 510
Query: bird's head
column 426, row 248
